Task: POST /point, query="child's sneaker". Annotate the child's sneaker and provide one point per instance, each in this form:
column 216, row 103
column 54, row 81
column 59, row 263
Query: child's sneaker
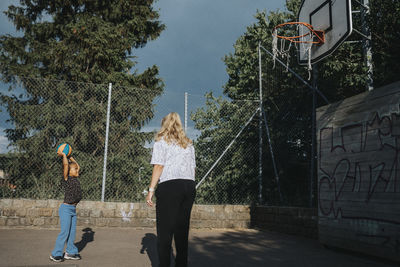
column 56, row 258
column 72, row 256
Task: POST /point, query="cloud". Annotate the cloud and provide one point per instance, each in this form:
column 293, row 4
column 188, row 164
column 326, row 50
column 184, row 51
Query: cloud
column 192, row 133
column 198, row 35
column 188, row 53
column 150, row 129
column 6, row 25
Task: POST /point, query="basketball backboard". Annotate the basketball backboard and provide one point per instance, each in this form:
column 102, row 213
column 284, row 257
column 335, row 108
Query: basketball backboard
column 331, row 16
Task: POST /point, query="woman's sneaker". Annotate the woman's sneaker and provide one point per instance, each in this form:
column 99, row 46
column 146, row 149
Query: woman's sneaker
column 56, row 258
column 72, row 256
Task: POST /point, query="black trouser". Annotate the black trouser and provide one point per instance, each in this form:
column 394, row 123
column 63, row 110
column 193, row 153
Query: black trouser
column 174, row 203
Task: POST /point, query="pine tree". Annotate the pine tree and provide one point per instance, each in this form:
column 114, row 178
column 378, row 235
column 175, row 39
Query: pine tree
column 68, row 53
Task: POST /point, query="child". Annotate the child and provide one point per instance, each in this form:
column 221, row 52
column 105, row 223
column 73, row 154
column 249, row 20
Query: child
column 67, row 212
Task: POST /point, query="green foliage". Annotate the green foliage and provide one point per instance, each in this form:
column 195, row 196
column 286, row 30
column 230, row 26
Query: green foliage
column 88, row 44
column 288, row 103
column 384, row 22
column 219, row 123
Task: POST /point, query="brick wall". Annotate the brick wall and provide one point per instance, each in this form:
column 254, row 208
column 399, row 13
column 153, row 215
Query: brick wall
column 289, row 220
column 44, row 213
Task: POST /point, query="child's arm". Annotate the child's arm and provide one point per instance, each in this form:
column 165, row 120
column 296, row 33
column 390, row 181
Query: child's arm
column 65, row 166
column 74, row 161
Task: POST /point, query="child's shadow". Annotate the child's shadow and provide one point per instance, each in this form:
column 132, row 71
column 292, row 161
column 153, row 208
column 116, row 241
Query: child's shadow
column 87, row 236
column 149, row 244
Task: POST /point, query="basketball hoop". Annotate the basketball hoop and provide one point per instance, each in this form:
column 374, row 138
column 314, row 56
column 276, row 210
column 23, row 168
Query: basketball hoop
column 306, row 36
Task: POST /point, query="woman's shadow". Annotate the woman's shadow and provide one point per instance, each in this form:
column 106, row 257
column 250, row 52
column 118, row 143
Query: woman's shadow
column 87, row 236
column 149, row 245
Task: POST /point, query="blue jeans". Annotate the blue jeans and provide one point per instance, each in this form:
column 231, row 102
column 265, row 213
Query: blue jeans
column 67, row 215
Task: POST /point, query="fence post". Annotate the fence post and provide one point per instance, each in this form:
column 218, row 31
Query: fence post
column 186, row 104
column 103, row 186
column 313, row 134
column 278, row 183
column 367, row 47
column 260, row 128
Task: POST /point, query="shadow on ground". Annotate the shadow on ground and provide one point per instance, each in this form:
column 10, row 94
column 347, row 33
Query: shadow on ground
column 234, row 248
column 149, row 246
column 87, row 236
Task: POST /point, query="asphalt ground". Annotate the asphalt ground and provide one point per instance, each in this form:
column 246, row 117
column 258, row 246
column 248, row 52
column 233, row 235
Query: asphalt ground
column 207, row 248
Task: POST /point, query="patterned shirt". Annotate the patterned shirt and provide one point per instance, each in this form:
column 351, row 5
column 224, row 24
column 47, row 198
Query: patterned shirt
column 178, row 162
column 72, row 189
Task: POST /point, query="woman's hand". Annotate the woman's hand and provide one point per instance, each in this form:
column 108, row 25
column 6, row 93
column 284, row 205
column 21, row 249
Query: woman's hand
column 148, row 199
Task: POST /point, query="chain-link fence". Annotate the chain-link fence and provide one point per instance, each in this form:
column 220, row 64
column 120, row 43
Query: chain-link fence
column 226, row 152
column 225, row 133
column 290, row 161
column 50, row 112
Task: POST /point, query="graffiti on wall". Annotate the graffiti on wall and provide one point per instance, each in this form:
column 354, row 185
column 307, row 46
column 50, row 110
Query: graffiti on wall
column 359, row 175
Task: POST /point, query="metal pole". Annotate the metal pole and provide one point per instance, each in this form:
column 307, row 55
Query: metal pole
column 272, row 156
column 103, row 186
column 367, row 47
column 260, row 200
column 313, row 134
column 186, row 102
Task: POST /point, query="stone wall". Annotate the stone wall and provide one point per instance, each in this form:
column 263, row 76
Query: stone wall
column 289, row 220
column 44, row 213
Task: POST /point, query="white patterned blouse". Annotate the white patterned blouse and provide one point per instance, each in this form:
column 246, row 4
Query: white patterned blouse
column 178, row 162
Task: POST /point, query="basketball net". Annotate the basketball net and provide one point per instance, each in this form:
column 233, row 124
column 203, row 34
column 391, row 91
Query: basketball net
column 283, row 50
column 303, row 43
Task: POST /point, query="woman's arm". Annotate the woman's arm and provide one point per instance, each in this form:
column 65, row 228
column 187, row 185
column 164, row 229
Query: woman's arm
column 157, row 170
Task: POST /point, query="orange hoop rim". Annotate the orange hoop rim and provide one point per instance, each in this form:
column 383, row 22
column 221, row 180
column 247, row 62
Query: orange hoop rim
column 294, row 39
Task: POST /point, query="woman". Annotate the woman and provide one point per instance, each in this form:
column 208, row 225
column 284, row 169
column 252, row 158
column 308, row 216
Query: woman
column 174, row 166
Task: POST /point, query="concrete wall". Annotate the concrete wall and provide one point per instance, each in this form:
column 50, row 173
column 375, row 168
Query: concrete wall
column 289, row 220
column 44, row 213
column 359, row 173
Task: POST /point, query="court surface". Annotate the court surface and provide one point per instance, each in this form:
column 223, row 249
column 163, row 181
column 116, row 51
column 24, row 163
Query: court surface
column 208, row 248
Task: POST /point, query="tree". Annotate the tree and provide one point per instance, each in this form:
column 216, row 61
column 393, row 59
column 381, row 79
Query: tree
column 88, row 44
column 219, row 122
column 288, row 103
column 384, row 23
column 283, row 94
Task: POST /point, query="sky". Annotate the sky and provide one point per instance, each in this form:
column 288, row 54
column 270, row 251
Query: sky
column 189, row 53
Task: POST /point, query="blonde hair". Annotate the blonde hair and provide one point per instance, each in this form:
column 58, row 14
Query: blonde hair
column 172, row 132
